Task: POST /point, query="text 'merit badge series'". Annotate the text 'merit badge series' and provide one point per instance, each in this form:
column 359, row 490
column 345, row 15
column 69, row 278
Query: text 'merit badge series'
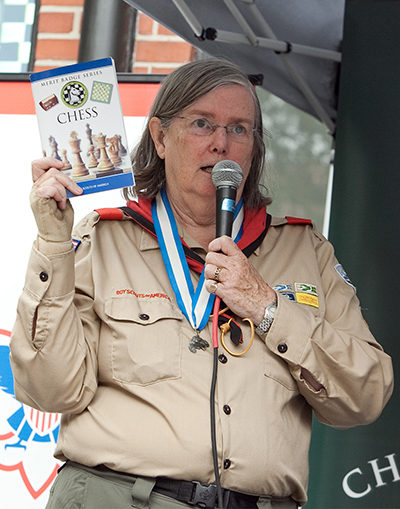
column 80, row 123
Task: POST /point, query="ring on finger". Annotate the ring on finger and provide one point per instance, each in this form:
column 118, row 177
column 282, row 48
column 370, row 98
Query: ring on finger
column 213, row 287
column 216, row 273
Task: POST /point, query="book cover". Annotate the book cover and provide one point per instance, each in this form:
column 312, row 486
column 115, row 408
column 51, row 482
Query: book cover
column 80, row 123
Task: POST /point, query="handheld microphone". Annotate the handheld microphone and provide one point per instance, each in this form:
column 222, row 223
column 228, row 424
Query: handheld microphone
column 227, row 177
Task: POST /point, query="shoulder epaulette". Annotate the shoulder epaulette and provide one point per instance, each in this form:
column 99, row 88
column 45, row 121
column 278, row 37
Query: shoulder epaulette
column 297, row 220
column 110, row 213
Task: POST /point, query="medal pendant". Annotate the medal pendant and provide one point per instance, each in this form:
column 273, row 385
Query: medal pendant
column 198, row 343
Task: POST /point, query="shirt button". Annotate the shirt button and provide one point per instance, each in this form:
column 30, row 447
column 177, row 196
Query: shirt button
column 227, row 464
column 43, row 276
column 144, row 317
column 222, row 358
column 227, row 409
column 282, row 347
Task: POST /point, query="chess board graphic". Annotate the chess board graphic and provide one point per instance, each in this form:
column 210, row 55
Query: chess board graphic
column 101, row 92
column 16, row 28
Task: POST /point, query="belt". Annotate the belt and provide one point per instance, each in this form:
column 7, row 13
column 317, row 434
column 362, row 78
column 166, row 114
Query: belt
column 191, row 492
column 203, row 495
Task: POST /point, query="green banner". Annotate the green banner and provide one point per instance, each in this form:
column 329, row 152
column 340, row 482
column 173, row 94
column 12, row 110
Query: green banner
column 359, row 468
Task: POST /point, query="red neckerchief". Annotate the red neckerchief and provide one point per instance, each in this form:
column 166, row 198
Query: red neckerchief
column 254, row 225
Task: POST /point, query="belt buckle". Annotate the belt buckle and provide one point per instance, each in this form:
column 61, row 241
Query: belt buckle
column 204, row 495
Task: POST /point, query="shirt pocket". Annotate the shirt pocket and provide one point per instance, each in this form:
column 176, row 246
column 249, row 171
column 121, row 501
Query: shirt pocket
column 146, row 339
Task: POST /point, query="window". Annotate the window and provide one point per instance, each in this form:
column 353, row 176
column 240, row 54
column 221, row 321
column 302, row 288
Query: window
column 17, row 19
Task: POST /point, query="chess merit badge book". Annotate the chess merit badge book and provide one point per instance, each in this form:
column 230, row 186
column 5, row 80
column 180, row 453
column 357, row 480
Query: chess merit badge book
column 80, row 123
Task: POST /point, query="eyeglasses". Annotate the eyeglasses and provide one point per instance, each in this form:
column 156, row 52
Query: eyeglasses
column 203, row 127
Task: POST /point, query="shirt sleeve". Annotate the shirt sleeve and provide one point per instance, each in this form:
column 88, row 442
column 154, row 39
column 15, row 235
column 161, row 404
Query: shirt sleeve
column 336, row 348
column 54, row 340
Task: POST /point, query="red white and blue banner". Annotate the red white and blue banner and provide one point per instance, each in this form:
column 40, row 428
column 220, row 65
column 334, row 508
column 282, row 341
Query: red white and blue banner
column 27, row 436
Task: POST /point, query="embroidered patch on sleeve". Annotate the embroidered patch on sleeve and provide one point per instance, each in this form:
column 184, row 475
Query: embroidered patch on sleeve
column 76, row 243
column 308, row 299
column 305, row 288
column 306, row 293
column 286, row 290
column 342, row 273
column 303, row 293
column 289, row 295
column 283, row 288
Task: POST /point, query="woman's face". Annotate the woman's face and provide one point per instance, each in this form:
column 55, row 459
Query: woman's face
column 189, row 158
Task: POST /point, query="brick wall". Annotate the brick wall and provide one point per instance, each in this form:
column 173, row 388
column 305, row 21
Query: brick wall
column 58, row 33
column 157, row 50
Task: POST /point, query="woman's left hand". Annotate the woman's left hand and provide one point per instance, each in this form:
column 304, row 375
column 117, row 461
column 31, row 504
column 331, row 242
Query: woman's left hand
column 238, row 283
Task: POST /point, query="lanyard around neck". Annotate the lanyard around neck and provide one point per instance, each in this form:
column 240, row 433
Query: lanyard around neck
column 196, row 304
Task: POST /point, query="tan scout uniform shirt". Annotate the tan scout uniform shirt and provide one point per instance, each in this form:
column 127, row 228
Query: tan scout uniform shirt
column 110, row 352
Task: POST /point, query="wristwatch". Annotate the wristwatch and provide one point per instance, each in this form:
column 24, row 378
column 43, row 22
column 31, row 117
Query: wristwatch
column 268, row 318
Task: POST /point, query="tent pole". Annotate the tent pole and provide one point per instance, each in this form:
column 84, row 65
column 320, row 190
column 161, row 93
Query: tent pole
column 242, row 22
column 189, row 17
column 329, row 191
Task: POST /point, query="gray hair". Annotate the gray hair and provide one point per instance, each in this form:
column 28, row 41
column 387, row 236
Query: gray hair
column 180, row 89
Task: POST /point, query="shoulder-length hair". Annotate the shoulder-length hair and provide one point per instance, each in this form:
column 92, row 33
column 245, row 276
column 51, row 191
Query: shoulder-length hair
column 180, row 89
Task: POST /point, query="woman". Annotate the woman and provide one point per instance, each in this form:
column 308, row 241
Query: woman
column 124, row 352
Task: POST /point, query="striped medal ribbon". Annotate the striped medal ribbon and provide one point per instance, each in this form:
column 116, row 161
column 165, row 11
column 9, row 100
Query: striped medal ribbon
column 195, row 305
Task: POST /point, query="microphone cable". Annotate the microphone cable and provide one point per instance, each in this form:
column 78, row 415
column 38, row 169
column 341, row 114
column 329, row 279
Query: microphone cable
column 212, row 402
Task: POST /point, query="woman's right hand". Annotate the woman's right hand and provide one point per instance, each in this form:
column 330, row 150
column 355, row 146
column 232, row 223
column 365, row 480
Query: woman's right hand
column 50, row 182
column 52, row 210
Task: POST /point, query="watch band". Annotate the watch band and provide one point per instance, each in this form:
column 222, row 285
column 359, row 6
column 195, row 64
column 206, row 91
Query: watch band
column 269, row 316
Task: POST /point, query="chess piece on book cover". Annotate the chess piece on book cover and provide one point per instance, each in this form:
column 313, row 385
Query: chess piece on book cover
column 78, row 166
column 106, row 166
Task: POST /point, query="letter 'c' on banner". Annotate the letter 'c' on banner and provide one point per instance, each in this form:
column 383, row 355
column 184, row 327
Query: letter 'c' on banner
column 346, row 488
